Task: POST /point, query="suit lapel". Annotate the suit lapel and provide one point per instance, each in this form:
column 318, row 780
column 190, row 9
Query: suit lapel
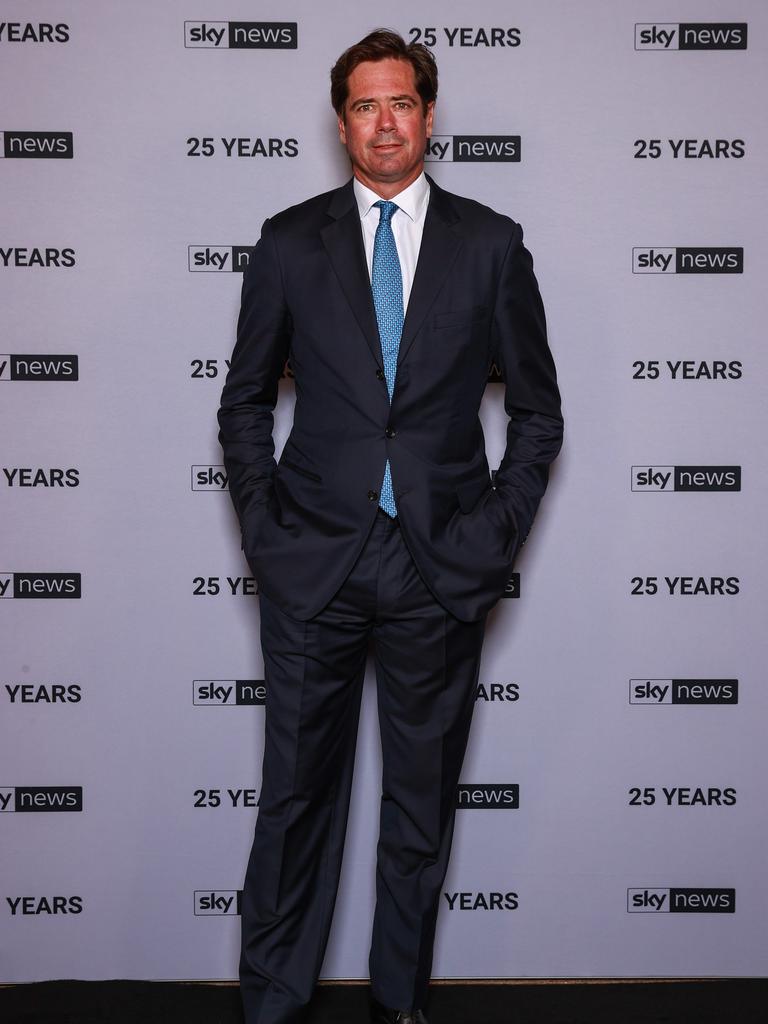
column 343, row 241
column 439, row 246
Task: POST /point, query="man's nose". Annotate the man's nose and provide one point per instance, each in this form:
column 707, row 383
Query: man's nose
column 385, row 121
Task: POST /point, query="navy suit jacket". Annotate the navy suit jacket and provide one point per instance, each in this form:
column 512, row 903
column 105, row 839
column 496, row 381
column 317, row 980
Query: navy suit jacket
column 307, row 297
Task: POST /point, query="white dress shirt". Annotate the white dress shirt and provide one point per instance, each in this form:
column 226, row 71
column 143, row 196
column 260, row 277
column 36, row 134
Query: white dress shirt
column 407, row 225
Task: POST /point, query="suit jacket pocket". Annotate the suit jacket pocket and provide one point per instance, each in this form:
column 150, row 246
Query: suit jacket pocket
column 301, row 470
column 459, row 317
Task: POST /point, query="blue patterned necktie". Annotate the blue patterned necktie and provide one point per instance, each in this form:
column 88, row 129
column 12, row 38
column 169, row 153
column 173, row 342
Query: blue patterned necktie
column 387, row 287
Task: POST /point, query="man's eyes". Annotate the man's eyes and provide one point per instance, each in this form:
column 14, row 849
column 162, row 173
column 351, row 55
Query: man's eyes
column 367, row 108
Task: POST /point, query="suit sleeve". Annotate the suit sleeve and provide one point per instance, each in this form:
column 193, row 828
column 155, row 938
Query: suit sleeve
column 250, row 392
column 531, row 397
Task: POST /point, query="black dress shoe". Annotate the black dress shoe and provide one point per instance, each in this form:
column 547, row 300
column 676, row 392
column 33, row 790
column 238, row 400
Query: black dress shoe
column 384, row 1015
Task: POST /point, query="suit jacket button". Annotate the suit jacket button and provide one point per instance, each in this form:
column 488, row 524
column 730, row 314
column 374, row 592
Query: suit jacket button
column 389, row 432
column 373, row 495
column 380, row 374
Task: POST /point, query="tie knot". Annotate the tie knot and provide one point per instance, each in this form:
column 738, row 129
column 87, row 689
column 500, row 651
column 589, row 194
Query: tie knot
column 386, row 210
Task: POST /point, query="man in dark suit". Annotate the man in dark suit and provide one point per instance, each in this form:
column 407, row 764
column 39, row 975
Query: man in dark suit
column 391, row 298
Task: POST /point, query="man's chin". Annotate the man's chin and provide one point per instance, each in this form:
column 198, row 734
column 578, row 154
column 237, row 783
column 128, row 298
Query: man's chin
column 392, row 165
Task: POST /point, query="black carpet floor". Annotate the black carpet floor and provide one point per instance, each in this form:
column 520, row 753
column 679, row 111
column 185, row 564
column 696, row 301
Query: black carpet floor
column 647, row 1002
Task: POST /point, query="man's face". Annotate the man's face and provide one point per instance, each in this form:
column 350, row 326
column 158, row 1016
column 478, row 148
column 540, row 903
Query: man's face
column 384, row 126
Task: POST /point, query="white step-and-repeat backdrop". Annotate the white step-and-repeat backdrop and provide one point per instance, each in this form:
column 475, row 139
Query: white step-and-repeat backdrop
column 613, row 817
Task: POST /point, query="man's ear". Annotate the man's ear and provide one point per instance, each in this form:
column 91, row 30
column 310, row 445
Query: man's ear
column 342, row 129
column 429, row 116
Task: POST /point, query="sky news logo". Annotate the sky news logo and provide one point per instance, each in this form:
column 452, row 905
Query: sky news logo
column 681, row 901
column 241, row 35
column 210, row 259
column 512, row 588
column 39, row 366
column 691, row 35
column 36, row 145
column 686, row 260
column 217, row 902
column 40, row 584
column 209, row 693
column 40, row 798
column 473, row 149
column 683, row 691
column 504, row 796
column 686, row 478
column 209, row 478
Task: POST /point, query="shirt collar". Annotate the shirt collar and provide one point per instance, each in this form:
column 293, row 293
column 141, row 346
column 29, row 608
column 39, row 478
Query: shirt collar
column 412, row 200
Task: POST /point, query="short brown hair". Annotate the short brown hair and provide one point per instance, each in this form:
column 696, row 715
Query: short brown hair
column 379, row 45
